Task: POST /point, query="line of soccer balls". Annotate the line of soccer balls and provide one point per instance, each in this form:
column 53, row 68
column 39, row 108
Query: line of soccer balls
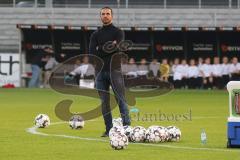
column 120, row 135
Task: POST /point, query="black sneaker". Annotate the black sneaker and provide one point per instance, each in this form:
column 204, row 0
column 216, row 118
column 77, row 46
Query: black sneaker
column 105, row 134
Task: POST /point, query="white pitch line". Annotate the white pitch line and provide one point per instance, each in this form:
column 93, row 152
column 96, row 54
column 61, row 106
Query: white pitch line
column 205, row 117
column 33, row 130
column 81, row 138
column 188, row 148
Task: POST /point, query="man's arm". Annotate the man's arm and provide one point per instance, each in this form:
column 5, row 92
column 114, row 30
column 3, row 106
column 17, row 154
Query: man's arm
column 93, row 44
column 120, row 36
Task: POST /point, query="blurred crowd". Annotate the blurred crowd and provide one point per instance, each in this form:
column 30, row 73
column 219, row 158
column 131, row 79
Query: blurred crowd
column 193, row 73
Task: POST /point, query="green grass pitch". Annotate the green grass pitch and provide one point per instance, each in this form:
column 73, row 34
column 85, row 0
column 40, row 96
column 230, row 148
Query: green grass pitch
column 18, row 108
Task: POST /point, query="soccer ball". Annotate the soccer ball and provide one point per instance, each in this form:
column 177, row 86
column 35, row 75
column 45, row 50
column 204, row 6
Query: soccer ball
column 42, row 121
column 116, row 130
column 174, row 133
column 119, row 141
column 138, row 134
column 117, row 122
column 152, row 134
column 147, row 135
column 76, row 122
column 156, row 134
column 151, row 129
column 163, row 134
column 168, row 136
column 127, row 131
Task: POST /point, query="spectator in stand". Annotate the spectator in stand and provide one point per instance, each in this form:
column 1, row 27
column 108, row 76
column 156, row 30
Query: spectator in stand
column 200, row 61
column 164, row 70
column 175, row 64
column 170, row 77
column 217, row 73
column 177, row 77
column 37, row 63
column 172, row 69
column 200, row 75
column 142, row 68
column 184, row 72
column 180, row 74
column 77, row 63
column 51, row 63
column 132, row 68
column 84, row 71
column 193, row 73
column 235, row 69
column 154, row 69
column 225, row 71
column 207, row 74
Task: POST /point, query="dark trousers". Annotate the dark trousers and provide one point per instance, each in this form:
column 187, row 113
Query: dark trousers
column 192, row 83
column 217, row 82
column 208, row 83
column 235, row 77
column 103, row 81
column 226, row 79
column 177, row 84
column 184, row 82
column 199, row 82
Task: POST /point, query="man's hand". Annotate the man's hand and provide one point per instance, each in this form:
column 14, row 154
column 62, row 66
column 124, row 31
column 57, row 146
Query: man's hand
column 114, row 42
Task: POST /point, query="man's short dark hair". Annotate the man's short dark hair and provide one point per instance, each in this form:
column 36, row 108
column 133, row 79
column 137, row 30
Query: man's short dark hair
column 106, row 7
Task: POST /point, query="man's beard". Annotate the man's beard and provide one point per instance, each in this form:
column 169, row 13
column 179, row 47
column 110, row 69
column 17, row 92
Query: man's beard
column 106, row 22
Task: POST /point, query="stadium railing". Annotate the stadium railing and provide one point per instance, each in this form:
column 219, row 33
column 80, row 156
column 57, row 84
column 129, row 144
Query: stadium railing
column 122, row 3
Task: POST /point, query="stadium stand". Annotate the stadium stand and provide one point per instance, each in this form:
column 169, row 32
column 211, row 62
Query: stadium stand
column 164, row 13
column 132, row 16
column 88, row 17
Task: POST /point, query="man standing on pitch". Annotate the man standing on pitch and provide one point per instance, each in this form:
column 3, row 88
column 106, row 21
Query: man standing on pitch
column 108, row 76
